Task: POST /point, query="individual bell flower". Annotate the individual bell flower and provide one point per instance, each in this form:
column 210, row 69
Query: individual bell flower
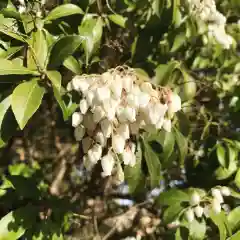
column 80, row 84
column 83, row 106
column 195, row 199
column 95, row 153
column 69, row 87
column 118, row 143
column 143, row 99
column 167, row 125
column 123, row 130
column 130, row 114
column 98, row 114
column 88, row 122
column 198, row 211
column 102, row 94
column 225, row 191
column 119, row 174
column 106, row 127
column 86, row 144
column 22, row 9
column 147, row 87
column 100, row 138
column 79, row 132
column 22, row 2
column 110, row 106
column 127, row 83
column 189, row 214
column 87, row 163
column 132, row 100
column 216, row 193
column 216, row 205
column 90, row 97
column 107, row 163
column 116, row 87
column 174, row 104
column 121, row 114
column 134, row 128
column 77, row 118
column 129, row 157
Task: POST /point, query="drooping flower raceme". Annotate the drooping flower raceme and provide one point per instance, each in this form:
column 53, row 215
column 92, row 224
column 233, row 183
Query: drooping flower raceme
column 206, row 11
column 114, row 107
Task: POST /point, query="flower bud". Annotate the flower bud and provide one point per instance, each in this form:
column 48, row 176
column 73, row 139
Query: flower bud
column 95, row 153
column 167, row 125
column 79, row 132
column 130, row 114
column 143, row 99
column 134, row 128
column 116, row 87
column 86, row 144
column 127, row 83
column 132, row 100
column 123, row 130
column 118, row 143
column 129, row 157
column 22, row 9
column 69, row 87
column 216, row 193
column 189, row 214
column 76, row 119
column 100, row 138
column 225, row 191
column 87, row 163
column 102, row 94
column 175, row 103
column 106, row 127
column 198, row 211
column 195, row 199
column 147, row 87
column 216, row 206
column 107, row 164
column 98, row 114
column 90, row 97
column 120, row 174
column 80, row 84
column 83, row 106
column 88, row 122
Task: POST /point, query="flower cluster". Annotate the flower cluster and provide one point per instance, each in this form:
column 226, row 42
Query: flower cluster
column 114, row 107
column 206, row 11
column 202, row 206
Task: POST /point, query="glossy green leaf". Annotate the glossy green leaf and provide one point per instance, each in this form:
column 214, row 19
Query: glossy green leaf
column 91, row 30
column 63, row 48
column 73, row 65
column 8, row 67
column 10, row 52
column 224, row 173
column 178, row 42
column 221, row 154
column 197, row 230
column 153, row 165
column 61, row 103
column 118, row 19
column 38, row 50
column 134, row 175
column 234, row 218
column 235, row 236
column 237, row 178
column 63, row 11
column 4, row 106
column 182, row 143
column 218, row 220
column 56, row 78
column 172, row 196
column 172, row 212
column 158, row 7
column 26, row 99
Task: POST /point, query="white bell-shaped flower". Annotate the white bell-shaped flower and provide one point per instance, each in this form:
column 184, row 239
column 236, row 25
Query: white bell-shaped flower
column 147, row 87
column 134, row 128
column 189, row 214
column 79, row 132
column 22, row 9
column 87, row 163
column 102, row 94
column 100, row 138
column 167, row 125
column 86, row 144
column 88, row 122
column 143, row 99
column 98, row 114
column 123, row 130
column 216, row 193
column 127, row 83
column 80, row 84
column 69, row 87
column 83, row 106
column 216, row 206
column 116, row 87
column 198, row 211
column 195, row 198
column 174, row 103
column 129, row 157
column 107, row 163
column 121, row 114
column 110, row 106
column 118, row 143
column 106, row 127
column 95, row 153
column 77, row 118
column 225, row 191
column 130, row 114
column 90, row 97
column 132, row 100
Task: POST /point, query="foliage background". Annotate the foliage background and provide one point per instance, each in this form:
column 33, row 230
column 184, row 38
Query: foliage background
column 45, row 191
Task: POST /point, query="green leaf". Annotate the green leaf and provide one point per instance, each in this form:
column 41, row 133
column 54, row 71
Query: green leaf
column 172, row 213
column 91, row 30
column 56, row 78
column 224, row 173
column 4, row 106
column 61, row 103
column 8, row 67
column 178, row 42
column 10, row 52
column 38, row 50
column 218, row 220
column 26, row 99
column 134, row 175
column 118, row 19
column 221, row 154
column 182, row 145
column 236, row 236
column 172, row 196
column 11, row 33
column 63, row 11
column 237, row 178
column 158, row 6
column 234, row 218
column 73, row 65
column 197, row 230
column 153, row 164
column 8, row 228
column 63, row 48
